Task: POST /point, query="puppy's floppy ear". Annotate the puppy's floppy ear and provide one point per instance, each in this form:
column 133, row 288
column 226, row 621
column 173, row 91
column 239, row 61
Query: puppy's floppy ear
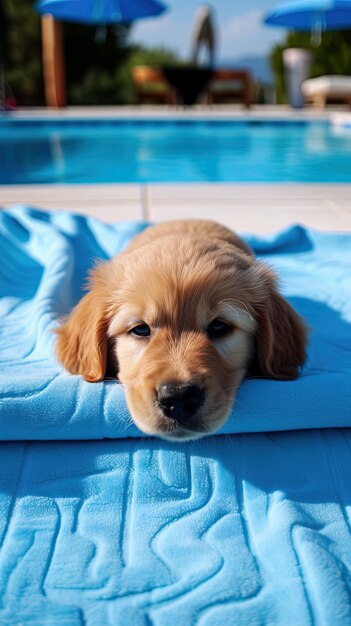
column 281, row 339
column 82, row 339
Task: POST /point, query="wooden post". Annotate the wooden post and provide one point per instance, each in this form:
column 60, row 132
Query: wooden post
column 53, row 62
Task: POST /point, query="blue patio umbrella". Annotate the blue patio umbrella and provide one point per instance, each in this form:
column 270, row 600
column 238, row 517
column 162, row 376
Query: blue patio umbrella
column 311, row 15
column 100, row 11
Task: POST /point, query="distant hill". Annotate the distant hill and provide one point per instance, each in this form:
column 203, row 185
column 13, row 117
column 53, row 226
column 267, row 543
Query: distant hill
column 258, row 66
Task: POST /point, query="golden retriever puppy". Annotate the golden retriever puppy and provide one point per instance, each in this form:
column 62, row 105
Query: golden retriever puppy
column 180, row 317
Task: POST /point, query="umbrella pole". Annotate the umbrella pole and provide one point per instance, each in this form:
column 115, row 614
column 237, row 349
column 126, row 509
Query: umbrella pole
column 316, row 34
column 53, row 62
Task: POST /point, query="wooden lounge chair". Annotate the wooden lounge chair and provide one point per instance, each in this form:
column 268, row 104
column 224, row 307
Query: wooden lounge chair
column 230, row 85
column 327, row 88
column 151, row 86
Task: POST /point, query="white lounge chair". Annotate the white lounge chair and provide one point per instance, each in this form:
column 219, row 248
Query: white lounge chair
column 319, row 90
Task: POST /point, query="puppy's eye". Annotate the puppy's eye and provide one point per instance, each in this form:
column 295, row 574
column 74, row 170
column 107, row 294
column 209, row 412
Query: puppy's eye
column 142, row 330
column 218, row 329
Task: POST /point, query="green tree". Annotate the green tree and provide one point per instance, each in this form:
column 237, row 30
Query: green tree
column 22, row 51
column 94, row 56
column 332, row 56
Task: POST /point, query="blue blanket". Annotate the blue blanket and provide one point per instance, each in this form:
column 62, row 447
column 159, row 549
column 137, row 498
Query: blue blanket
column 44, row 264
column 235, row 530
column 230, row 531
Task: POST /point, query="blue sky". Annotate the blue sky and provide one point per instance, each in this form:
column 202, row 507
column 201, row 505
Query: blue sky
column 239, row 26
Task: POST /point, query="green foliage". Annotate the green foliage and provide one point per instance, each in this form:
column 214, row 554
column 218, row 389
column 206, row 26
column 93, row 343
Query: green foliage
column 98, row 60
column 94, row 56
column 22, row 51
column 333, row 56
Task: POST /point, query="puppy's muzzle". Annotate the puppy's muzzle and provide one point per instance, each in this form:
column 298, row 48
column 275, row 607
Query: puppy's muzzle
column 180, row 401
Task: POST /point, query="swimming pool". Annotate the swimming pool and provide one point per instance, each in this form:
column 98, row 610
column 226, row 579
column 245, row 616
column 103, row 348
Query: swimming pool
column 166, row 150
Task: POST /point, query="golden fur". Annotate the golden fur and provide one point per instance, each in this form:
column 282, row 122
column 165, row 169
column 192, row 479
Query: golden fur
column 177, row 278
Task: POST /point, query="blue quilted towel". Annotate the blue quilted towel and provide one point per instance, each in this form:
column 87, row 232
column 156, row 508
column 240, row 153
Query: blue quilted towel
column 44, row 263
column 245, row 530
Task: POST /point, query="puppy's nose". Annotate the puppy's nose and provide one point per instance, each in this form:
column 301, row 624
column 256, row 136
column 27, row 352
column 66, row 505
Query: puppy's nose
column 180, row 401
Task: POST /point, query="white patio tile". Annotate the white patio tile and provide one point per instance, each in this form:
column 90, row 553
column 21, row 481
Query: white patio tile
column 110, row 203
column 343, row 203
column 255, row 208
column 258, row 219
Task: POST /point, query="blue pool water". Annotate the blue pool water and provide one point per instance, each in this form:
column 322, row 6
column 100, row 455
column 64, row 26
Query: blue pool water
column 134, row 151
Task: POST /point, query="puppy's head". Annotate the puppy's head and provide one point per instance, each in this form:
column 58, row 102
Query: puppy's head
column 182, row 319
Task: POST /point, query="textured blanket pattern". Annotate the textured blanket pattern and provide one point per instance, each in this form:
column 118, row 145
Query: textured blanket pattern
column 44, row 264
column 230, row 531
